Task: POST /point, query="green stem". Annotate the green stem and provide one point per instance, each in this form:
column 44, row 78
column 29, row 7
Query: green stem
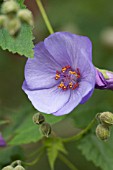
column 67, row 162
column 45, row 17
column 79, row 135
column 34, row 161
column 36, row 152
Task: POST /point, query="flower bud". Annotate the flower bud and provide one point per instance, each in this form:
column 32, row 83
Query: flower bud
column 8, row 168
column 45, row 129
column 13, row 26
column 19, row 167
column 102, row 132
column 26, row 16
column 10, row 6
column 106, row 118
column 38, row 118
column 2, row 20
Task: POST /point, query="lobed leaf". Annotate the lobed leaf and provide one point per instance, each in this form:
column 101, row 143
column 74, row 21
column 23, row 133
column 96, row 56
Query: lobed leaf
column 54, row 146
column 99, row 152
column 22, row 44
column 26, row 131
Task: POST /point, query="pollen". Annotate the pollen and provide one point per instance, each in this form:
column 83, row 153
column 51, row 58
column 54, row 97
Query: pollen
column 65, row 68
column 61, row 85
column 69, row 78
column 57, row 75
column 70, row 84
column 73, row 72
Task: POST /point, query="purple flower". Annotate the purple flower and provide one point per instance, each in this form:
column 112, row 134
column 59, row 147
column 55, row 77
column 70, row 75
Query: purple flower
column 2, row 141
column 104, row 79
column 61, row 74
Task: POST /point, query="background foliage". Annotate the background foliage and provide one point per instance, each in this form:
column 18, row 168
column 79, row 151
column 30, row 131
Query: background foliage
column 88, row 18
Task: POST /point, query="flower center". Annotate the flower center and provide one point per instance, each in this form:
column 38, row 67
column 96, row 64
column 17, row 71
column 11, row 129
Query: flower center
column 69, row 78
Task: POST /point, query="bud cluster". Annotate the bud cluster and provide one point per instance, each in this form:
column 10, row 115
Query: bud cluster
column 105, row 121
column 16, row 165
column 45, row 127
column 12, row 17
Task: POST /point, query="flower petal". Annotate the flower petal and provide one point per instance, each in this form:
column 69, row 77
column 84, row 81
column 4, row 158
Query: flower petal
column 73, row 101
column 66, row 47
column 100, row 80
column 2, row 141
column 77, row 96
column 41, row 70
column 47, row 100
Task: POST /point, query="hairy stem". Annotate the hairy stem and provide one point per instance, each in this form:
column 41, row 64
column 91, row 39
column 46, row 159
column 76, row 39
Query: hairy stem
column 79, row 135
column 34, row 161
column 67, row 162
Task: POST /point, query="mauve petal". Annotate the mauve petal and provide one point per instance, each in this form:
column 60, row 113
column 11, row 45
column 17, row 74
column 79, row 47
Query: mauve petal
column 77, row 96
column 87, row 71
column 66, row 47
column 47, row 100
column 73, row 101
column 41, row 70
column 2, row 141
column 109, row 74
column 101, row 82
column 85, row 98
column 104, row 82
column 109, row 80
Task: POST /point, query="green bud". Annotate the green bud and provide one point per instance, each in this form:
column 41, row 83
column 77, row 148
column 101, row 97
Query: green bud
column 45, row 129
column 13, row 26
column 38, row 118
column 106, row 118
column 102, row 132
column 19, row 167
column 9, row 167
column 2, row 20
column 26, row 16
column 10, row 6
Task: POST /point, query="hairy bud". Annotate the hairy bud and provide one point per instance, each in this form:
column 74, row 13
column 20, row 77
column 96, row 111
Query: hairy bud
column 102, row 132
column 26, row 16
column 2, row 20
column 45, row 129
column 19, row 167
column 38, row 118
column 8, row 168
column 13, row 26
column 10, row 6
column 106, row 118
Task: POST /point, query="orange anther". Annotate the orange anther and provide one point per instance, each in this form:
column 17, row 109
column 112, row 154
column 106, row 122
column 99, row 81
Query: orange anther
column 61, row 85
column 70, row 84
column 57, row 77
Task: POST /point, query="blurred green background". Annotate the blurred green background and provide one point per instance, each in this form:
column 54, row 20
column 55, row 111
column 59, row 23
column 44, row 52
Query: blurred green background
column 84, row 17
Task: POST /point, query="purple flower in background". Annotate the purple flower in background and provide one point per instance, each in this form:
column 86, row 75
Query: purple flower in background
column 61, row 74
column 104, row 79
column 2, row 141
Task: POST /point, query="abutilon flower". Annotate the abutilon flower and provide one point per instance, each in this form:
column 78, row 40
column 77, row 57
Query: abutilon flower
column 104, row 79
column 61, row 74
column 2, row 141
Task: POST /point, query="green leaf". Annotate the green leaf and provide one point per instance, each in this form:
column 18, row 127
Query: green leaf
column 8, row 154
column 99, row 152
column 54, row 146
column 21, row 2
column 22, row 44
column 26, row 131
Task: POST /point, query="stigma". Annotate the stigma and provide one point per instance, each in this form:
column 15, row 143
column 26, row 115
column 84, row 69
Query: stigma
column 69, row 78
